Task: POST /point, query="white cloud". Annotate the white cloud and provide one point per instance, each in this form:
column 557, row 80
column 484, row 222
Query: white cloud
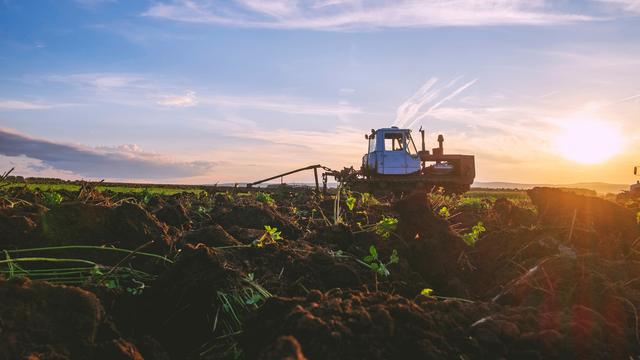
column 627, row 5
column 283, row 149
column 27, row 105
column 187, row 100
column 592, row 58
column 283, row 104
column 143, row 90
column 100, row 81
column 275, row 8
column 357, row 14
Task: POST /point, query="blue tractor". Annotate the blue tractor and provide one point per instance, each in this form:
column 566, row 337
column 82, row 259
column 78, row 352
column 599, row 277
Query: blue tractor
column 394, row 162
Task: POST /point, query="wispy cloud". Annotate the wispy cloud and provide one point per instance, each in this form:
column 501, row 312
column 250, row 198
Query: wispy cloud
column 357, row 14
column 146, row 89
column 123, row 162
column 283, row 149
column 99, row 81
column 594, row 59
column 186, row 100
column 627, row 5
column 283, row 104
column 6, row 104
column 630, row 98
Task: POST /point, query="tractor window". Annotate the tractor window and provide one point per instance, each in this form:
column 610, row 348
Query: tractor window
column 393, row 142
column 372, row 143
column 411, row 146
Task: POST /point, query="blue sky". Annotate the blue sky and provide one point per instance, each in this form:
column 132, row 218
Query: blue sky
column 206, row 91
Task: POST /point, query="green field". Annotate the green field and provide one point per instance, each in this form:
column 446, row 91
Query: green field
column 519, row 196
column 113, row 188
column 476, row 196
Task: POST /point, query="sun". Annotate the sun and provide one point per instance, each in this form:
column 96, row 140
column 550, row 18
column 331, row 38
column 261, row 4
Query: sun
column 588, row 141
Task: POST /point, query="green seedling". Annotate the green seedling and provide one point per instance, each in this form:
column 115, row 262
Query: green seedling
column 444, row 212
column 51, row 199
column 428, row 292
column 368, row 199
column 376, row 265
column 351, row 202
column 473, row 236
column 386, row 226
column 271, row 236
column 373, row 262
column 146, row 195
column 265, row 198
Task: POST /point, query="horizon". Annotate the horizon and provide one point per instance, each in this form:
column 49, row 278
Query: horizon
column 193, row 92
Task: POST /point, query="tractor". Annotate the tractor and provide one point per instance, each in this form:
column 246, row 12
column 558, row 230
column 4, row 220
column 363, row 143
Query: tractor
column 394, row 164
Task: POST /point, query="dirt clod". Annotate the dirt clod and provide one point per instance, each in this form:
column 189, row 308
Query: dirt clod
column 127, row 226
column 48, row 320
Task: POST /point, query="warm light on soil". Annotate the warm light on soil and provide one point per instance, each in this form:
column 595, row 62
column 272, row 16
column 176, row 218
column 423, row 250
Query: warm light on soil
column 588, row 141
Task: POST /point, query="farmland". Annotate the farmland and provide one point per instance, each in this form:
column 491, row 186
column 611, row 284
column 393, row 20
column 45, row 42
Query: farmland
column 100, row 271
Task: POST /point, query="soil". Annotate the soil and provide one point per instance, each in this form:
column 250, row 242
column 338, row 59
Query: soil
column 558, row 282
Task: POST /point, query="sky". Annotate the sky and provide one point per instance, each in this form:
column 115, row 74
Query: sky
column 205, row 91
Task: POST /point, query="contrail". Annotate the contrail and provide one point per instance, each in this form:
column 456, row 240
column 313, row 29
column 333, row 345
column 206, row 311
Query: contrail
column 629, row 98
column 411, row 106
column 445, row 99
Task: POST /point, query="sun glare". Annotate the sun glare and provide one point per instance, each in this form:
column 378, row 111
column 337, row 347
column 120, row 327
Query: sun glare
column 588, row 141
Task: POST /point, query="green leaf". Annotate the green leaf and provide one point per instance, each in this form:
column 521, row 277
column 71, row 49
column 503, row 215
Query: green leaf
column 386, row 226
column 265, row 198
column 351, row 202
column 369, row 259
column 95, row 271
column 471, row 237
column 394, row 259
column 373, row 251
column 51, row 199
column 382, row 270
column 427, row 292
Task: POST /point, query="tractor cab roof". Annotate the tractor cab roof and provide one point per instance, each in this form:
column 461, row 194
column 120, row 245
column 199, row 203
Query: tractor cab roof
column 393, row 129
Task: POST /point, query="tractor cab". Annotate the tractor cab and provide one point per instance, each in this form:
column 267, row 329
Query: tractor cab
column 391, row 152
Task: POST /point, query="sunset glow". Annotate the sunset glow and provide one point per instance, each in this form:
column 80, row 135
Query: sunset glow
column 588, row 141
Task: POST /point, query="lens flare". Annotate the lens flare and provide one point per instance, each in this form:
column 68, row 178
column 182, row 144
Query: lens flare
column 588, row 141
